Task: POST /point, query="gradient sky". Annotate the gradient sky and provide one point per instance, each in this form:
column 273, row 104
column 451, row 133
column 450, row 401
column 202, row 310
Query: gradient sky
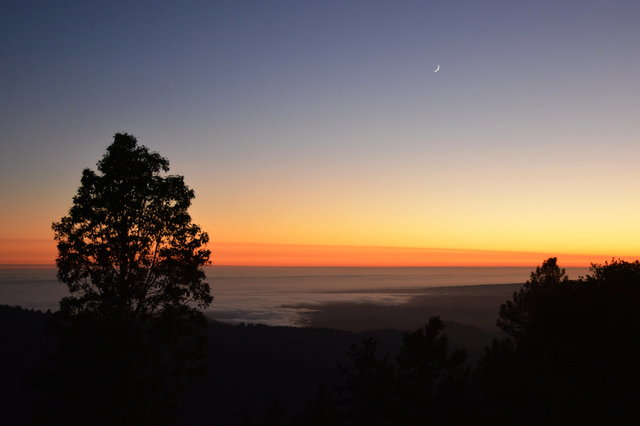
column 306, row 125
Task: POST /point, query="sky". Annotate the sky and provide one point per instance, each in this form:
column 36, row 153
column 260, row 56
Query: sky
column 317, row 132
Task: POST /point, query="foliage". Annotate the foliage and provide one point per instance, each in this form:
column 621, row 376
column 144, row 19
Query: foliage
column 424, row 384
column 130, row 330
column 431, row 376
column 367, row 393
column 572, row 352
column 517, row 315
column 128, row 247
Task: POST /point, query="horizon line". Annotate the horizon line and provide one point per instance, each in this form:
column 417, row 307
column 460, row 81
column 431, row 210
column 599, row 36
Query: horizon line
column 42, row 252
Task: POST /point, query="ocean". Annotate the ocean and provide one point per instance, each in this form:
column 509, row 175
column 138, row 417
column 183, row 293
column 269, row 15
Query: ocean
column 281, row 295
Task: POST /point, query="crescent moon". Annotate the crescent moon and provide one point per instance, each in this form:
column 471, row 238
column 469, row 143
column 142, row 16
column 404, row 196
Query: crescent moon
column 437, row 68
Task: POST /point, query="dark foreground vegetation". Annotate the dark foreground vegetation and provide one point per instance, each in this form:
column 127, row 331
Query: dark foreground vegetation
column 249, row 369
column 569, row 356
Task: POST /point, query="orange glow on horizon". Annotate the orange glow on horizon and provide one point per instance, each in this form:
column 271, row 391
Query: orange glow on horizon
column 39, row 251
column 241, row 254
column 27, row 251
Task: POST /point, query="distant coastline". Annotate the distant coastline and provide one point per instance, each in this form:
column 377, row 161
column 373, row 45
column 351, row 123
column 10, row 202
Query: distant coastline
column 348, row 298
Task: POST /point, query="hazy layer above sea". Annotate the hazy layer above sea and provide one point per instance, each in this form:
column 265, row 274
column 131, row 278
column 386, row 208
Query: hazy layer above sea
column 341, row 297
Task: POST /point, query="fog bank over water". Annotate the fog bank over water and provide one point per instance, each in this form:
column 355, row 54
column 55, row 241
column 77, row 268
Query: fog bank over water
column 322, row 296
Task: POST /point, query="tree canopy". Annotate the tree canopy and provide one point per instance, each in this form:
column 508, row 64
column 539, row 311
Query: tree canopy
column 127, row 246
column 571, row 355
column 519, row 314
column 131, row 329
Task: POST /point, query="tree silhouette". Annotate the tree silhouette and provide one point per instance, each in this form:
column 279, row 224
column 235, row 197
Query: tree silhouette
column 131, row 259
column 369, row 386
column 571, row 356
column 425, row 385
column 128, row 248
column 517, row 315
column 431, row 377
